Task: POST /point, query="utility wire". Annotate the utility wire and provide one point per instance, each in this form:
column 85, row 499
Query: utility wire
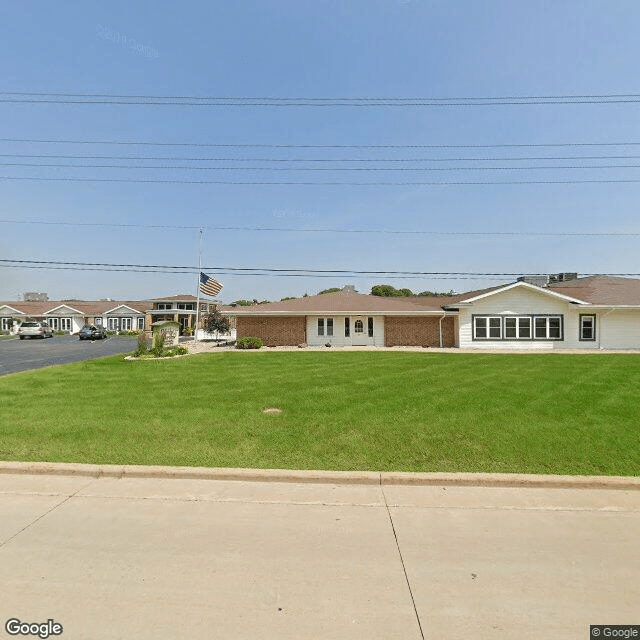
column 129, row 225
column 317, row 183
column 322, row 146
column 279, row 101
column 290, row 270
column 311, row 160
column 334, row 169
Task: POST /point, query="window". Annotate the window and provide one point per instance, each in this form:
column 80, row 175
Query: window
column 65, row 324
column 163, row 305
column 98, row 322
column 588, row 327
column 126, row 324
column 370, row 327
column 548, row 327
column 358, row 326
column 487, row 327
column 186, row 306
column 517, row 327
column 6, row 324
column 53, row 323
column 329, row 326
column 325, row 326
column 140, row 322
column 112, row 324
column 347, row 328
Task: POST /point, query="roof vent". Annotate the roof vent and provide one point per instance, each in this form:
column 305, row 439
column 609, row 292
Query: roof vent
column 562, row 277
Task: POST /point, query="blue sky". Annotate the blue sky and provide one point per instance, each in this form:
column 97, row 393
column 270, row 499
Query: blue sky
column 391, row 48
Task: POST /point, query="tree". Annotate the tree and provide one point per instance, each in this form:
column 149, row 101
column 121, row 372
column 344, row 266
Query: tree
column 215, row 322
column 331, row 290
column 288, row 298
column 388, row 290
column 243, row 303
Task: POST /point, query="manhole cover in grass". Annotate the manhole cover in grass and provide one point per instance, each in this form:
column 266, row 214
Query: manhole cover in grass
column 272, row 410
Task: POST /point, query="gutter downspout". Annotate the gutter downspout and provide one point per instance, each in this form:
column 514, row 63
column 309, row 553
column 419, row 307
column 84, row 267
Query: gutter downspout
column 444, row 314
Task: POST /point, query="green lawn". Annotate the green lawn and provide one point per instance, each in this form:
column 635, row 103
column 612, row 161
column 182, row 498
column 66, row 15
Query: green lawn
column 570, row 414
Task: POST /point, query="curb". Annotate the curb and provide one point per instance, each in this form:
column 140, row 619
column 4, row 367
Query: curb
column 504, row 480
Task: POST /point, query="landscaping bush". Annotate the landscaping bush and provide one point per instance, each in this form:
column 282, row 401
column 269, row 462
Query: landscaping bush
column 158, row 346
column 248, row 343
column 175, row 351
column 142, row 347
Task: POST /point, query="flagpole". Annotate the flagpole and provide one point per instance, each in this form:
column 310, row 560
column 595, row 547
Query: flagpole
column 195, row 330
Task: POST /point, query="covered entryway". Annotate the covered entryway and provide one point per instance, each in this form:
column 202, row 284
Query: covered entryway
column 360, row 334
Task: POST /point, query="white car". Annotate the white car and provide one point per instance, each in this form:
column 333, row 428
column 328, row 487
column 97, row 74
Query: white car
column 35, row 330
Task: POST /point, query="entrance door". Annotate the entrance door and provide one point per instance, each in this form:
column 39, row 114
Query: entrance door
column 359, row 332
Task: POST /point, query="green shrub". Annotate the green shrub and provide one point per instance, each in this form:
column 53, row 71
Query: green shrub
column 248, row 343
column 158, row 346
column 60, row 333
column 142, row 347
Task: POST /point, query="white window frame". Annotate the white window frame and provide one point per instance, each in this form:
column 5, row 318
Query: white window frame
column 98, row 321
column 53, row 323
column 487, row 327
column 113, row 324
column 140, row 323
column 547, row 320
column 126, row 324
column 65, row 324
column 5, row 324
column 592, row 318
column 521, row 323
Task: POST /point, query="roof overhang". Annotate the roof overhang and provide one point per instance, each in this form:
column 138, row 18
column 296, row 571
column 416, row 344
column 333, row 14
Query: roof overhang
column 330, row 313
column 63, row 306
column 122, row 306
column 522, row 285
column 6, row 306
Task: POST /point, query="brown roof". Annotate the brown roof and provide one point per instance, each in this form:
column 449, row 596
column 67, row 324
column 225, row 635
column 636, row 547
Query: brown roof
column 343, row 302
column 86, row 307
column 601, row 290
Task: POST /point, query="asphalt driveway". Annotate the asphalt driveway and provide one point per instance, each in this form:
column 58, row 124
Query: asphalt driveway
column 22, row 355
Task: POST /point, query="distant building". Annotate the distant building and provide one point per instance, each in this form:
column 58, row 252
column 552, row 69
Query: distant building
column 34, row 296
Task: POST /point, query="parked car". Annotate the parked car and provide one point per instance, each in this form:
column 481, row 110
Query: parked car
column 92, row 332
column 35, row 330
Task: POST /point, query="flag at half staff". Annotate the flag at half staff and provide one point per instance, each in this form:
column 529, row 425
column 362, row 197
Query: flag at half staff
column 209, row 286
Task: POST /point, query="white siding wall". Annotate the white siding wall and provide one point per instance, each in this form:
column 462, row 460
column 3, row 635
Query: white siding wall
column 619, row 329
column 338, row 339
column 521, row 301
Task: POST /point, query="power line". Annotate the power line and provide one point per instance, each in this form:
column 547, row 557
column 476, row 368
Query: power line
column 189, row 268
column 128, row 225
column 265, row 275
column 322, row 146
column 327, row 230
column 279, row 101
column 334, row 169
column 317, row 183
column 311, row 160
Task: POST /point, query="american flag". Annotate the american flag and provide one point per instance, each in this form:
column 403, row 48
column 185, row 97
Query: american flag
column 209, row 286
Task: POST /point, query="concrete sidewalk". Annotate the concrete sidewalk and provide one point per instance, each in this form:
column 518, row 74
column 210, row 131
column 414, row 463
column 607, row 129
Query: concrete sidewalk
column 182, row 558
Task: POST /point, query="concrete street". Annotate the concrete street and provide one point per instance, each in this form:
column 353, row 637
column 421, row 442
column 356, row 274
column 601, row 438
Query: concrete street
column 174, row 558
column 22, row 355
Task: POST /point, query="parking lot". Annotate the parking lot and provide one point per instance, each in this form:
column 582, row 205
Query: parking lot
column 22, row 355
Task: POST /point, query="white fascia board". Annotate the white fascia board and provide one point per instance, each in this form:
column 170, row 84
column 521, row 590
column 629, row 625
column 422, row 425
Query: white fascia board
column 613, row 307
column 6, row 306
column 525, row 285
column 63, row 306
column 122, row 306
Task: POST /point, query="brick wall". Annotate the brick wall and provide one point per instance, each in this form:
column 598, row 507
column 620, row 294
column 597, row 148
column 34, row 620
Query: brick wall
column 288, row 330
column 415, row 331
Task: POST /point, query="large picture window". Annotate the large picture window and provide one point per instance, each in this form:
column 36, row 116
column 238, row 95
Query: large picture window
column 325, row 326
column 517, row 327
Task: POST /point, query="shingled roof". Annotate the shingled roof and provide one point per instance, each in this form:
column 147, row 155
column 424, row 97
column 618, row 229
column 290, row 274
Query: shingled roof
column 602, row 290
column 345, row 302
